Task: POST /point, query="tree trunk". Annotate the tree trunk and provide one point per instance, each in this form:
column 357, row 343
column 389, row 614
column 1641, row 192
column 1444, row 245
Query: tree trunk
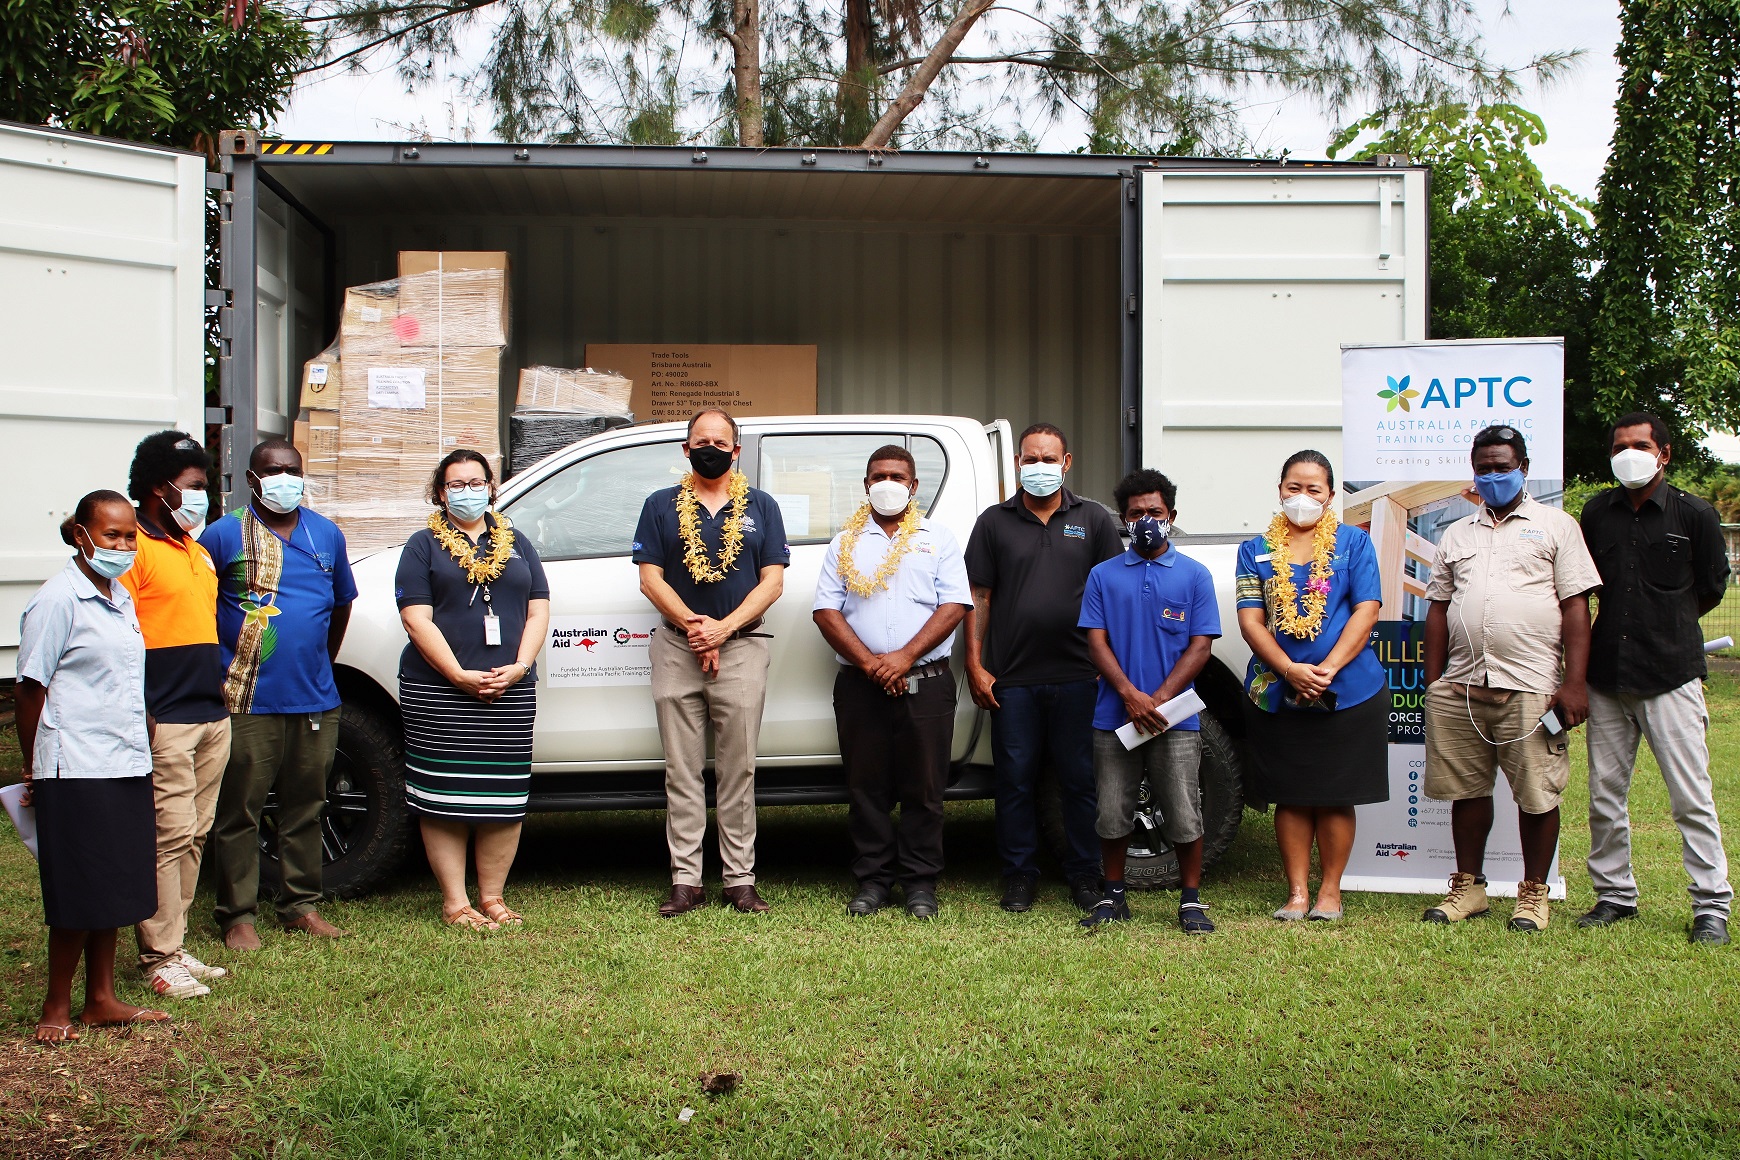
column 922, row 77
column 745, row 38
column 853, row 94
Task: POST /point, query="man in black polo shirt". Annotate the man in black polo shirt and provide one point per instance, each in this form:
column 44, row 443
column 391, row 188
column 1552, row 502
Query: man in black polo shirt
column 1028, row 560
column 1663, row 565
column 712, row 556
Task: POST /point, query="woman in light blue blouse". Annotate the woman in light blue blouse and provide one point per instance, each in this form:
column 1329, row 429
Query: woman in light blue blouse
column 85, row 741
column 1317, row 722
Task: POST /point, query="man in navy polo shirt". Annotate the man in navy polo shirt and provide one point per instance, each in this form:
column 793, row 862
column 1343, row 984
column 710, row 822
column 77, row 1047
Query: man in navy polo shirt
column 284, row 597
column 712, row 556
column 1151, row 619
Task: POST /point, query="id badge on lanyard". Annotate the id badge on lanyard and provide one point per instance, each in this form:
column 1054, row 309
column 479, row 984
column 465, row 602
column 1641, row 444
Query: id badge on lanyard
column 491, row 622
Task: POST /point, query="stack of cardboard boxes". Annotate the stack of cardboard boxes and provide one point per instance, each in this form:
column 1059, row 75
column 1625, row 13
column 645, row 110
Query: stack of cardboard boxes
column 416, row 373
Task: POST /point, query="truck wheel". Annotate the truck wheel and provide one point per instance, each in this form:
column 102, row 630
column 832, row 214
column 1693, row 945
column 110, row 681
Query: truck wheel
column 365, row 826
column 1151, row 863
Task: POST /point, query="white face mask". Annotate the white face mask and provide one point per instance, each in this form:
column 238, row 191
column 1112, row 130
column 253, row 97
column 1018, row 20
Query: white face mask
column 1635, row 468
column 1302, row 510
column 888, row 498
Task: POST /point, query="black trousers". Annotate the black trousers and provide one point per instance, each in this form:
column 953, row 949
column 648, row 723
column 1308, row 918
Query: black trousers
column 896, row 752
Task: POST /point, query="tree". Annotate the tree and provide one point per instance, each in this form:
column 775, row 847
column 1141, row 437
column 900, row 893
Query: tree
column 1668, row 293
column 1146, row 76
column 1511, row 254
column 169, row 72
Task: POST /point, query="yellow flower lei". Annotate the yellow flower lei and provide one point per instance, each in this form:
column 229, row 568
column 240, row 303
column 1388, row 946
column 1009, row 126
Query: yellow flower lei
column 856, row 582
column 464, row 552
column 1283, row 597
column 689, row 526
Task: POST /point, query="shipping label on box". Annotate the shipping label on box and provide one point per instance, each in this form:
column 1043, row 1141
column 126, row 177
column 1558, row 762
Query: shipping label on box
column 673, row 380
column 398, row 388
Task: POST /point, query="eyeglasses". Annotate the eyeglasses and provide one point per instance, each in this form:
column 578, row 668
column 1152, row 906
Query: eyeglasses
column 460, row 486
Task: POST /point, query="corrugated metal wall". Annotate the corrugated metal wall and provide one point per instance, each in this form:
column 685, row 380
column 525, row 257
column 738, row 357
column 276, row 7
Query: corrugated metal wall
column 1004, row 323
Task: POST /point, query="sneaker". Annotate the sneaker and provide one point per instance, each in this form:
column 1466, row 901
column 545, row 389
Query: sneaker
column 1467, row 899
column 1086, row 892
column 199, row 970
column 1106, row 911
column 171, row 980
column 1531, row 907
column 1193, row 918
column 1018, row 891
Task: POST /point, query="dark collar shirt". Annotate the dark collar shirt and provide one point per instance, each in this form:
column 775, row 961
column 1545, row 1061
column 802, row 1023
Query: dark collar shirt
column 1657, row 564
column 428, row 574
column 1036, row 573
column 658, row 540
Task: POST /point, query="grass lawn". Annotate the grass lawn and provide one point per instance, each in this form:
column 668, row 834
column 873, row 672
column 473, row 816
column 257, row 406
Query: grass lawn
column 981, row 1035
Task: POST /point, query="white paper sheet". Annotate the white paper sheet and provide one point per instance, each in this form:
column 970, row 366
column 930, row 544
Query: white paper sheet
column 1184, row 705
column 24, row 817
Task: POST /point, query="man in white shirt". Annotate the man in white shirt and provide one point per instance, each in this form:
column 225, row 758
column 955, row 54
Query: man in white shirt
column 892, row 591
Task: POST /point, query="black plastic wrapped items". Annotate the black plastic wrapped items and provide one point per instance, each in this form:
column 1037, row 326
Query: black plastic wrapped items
column 535, row 435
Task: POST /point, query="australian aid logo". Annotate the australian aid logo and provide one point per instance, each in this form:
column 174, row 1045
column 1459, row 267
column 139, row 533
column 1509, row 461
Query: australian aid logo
column 1411, row 412
column 1400, row 851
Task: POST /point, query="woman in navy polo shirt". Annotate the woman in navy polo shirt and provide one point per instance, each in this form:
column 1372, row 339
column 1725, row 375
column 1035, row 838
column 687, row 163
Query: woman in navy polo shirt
column 1317, row 726
column 475, row 604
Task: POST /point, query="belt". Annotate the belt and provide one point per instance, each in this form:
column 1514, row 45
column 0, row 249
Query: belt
column 747, row 630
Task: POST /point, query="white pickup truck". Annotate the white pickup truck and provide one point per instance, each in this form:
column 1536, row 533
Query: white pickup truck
column 597, row 743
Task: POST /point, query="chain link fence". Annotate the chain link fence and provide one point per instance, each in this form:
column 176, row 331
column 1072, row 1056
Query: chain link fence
column 1724, row 619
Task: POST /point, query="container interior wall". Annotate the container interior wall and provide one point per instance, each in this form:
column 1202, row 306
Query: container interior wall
column 989, row 323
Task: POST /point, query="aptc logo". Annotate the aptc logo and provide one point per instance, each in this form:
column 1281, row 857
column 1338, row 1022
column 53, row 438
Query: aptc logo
column 1398, row 394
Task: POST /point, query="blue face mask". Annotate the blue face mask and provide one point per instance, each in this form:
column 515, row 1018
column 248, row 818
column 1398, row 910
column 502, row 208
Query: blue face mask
column 192, row 512
column 1041, row 479
column 281, row 492
column 108, row 562
column 1148, row 533
column 1498, row 488
column 468, row 505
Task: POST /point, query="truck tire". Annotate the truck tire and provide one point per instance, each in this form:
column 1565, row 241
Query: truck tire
column 365, row 827
column 1151, row 863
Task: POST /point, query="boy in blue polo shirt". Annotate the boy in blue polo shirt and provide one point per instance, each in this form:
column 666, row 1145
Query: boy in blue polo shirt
column 1151, row 617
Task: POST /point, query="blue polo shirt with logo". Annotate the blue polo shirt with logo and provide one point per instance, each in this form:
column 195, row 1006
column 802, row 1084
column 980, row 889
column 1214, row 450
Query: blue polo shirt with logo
column 657, row 540
column 1149, row 610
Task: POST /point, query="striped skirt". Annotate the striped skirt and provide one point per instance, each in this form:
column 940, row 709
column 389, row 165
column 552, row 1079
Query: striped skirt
column 466, row 760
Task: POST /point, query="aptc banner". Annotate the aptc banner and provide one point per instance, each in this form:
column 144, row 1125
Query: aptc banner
column 1409, row 416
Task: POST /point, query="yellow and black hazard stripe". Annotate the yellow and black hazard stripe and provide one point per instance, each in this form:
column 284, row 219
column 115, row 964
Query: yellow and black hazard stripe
column 293, row 148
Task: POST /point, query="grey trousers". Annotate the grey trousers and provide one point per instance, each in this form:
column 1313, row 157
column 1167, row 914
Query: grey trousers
column 687, row 703
column 1674, row 723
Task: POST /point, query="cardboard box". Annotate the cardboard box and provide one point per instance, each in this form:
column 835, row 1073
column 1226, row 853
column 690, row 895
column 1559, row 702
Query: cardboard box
column 453, row 298
column 583, row 392
column 320, row 377
column 316, row 439
column 674, row 380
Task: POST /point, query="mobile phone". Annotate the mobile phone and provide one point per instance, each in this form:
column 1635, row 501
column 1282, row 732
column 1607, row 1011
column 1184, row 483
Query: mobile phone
column 1550, row 722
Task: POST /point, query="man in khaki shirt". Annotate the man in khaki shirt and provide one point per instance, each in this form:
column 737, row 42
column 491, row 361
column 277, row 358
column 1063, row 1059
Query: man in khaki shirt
column 1509, row 596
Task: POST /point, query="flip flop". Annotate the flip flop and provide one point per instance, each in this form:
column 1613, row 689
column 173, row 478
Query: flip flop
column 144, row 1015
column 469, row 919
column 67, row 1034
column 498, row 912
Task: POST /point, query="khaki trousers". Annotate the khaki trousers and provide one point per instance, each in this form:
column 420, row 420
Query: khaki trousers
column 187, row 770
column 686, row 703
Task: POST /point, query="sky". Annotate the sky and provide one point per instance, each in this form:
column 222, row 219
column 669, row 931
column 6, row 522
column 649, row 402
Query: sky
column 341, row 105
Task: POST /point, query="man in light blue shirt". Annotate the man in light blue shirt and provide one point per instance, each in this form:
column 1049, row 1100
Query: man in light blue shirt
column 893, row 589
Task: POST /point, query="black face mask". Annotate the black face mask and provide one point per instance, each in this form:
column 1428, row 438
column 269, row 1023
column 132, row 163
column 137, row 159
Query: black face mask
column 710, row 462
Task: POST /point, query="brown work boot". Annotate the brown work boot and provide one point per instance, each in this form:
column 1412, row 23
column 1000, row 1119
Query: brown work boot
column 312, row 924
column 1531, row 907
column 242, row 937
column 745, row 899
column 1467, row 899
column 683, row 899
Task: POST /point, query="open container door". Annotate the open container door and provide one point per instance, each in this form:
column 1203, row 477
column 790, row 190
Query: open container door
column 1250, row 281
column 102, row 309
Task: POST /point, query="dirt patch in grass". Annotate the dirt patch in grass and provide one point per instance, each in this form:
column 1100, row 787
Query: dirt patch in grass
column 117, row 1091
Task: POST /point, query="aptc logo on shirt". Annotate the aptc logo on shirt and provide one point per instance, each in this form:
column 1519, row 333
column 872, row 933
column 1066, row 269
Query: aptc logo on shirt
column 1074, row 532
column 1535, row 534
column 1173, row 614
column 749, row 523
